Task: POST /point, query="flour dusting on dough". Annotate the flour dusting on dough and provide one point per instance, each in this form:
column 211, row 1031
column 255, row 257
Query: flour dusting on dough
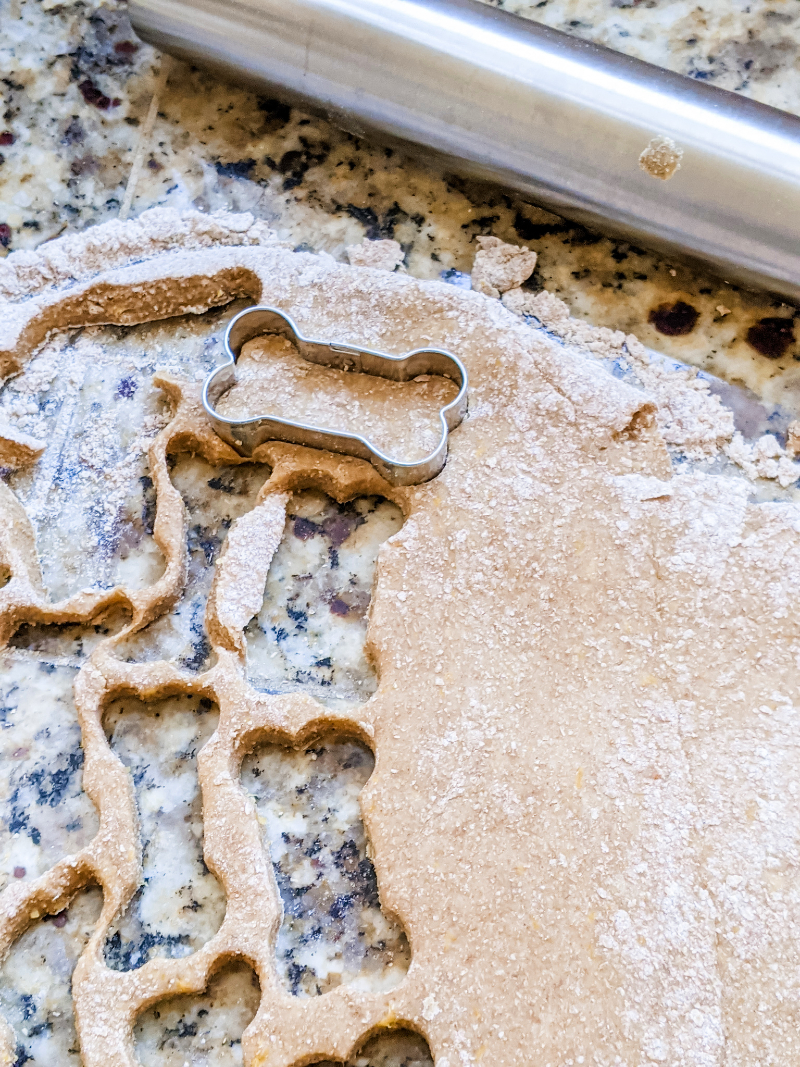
column 583, row 812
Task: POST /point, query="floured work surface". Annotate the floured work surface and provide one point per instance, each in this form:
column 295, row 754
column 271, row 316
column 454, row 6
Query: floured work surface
column 534, row 800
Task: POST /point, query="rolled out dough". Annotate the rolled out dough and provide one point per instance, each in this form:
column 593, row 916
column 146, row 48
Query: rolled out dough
column 584, row 810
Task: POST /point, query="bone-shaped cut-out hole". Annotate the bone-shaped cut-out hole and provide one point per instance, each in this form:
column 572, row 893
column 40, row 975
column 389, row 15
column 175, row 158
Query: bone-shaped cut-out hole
column 334, row 931
column 214, row 498
column 180, row 905
column 88, row 495
column 88, row 395
column 395, row 1048
column 46, row 814
column 70, row 641
column 401, row 419
column 311, row 628
column 204, row 1030
column 35, row 984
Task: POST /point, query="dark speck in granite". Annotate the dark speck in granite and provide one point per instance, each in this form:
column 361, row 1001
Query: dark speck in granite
column 276, row 114
column 126, row 388
column 771, row 336
column 240, row 169
column 92, row 95
column 73, row 134
column 126, row 49
column 674, row 320
column 531, row 231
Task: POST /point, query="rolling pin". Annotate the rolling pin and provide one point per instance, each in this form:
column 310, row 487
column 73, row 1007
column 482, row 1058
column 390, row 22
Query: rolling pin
column 609, row 141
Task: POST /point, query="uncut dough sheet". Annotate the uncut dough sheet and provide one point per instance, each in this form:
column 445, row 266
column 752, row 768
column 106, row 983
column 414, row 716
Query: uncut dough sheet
column 535, row 767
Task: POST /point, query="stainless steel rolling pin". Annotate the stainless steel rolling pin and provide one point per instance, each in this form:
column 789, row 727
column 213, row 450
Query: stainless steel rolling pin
column 500, row 97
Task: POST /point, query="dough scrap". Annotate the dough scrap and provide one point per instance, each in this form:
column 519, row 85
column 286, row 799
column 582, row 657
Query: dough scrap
column 382, row 255
column 500, row 266
column 690, row 417
column 584, row 810
column 661, row 158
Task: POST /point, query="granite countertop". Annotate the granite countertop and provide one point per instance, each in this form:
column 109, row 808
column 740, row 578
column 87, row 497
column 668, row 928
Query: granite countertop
column 77, row 85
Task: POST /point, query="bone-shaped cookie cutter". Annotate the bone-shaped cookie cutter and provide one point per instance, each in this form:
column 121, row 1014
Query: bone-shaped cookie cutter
column 246, row 434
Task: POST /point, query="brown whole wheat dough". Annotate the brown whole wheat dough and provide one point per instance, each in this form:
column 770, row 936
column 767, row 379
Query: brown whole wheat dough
column 584, row 809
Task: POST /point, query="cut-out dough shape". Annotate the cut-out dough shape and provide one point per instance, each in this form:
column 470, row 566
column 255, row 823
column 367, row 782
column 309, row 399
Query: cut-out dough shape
column 245, row 435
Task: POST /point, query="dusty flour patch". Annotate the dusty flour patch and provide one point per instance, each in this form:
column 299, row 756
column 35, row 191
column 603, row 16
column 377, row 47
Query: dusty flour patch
column 110, row 463
column 88, row 397
column 86, row 414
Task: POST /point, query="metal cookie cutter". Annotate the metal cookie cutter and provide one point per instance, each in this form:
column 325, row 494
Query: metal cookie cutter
column 245, row 434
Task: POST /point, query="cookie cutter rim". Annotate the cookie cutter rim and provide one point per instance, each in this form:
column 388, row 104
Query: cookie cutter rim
column 244, row 435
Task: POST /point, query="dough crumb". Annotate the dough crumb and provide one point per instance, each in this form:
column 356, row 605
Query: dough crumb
column 380, row 255
column 543, row 305
column 430, row 1009
column 499, row 267
column 763, row 458
column 661, row 158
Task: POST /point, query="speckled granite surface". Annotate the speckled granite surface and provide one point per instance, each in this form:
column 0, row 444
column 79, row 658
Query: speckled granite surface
column 76, row 87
